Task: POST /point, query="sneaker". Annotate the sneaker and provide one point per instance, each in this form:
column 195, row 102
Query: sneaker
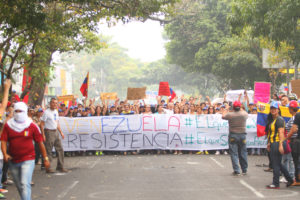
column 8, row 182
column 2, row 196
column 272, row 186
column 225, row 153
column 283, row 180
column 206, row 153
column 217, row 152
column 199, row 153
column 3, row 191
column 236, row 174
column 244, row 173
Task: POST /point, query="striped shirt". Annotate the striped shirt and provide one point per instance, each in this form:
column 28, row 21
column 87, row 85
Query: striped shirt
column 289, row 125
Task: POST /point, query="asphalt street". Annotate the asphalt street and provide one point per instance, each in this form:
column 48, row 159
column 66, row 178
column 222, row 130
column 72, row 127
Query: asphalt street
column 155, row 177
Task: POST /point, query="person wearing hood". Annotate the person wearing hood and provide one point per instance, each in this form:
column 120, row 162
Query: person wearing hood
column 20, row 132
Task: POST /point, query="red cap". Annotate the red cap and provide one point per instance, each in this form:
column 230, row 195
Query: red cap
column 237, row 104
column 293, row 104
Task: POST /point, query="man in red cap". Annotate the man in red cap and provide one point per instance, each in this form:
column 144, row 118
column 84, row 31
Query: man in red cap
column 237, row 137
column 292, row 128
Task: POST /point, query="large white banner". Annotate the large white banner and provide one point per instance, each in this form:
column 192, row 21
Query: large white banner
column 132, row 132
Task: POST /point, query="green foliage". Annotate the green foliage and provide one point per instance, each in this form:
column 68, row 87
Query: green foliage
column 276, row 20
column 200, row 41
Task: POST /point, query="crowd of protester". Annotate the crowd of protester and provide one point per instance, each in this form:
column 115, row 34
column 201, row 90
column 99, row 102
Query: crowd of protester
column 182, row 105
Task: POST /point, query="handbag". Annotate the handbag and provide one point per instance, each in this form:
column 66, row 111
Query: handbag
column 286, row 147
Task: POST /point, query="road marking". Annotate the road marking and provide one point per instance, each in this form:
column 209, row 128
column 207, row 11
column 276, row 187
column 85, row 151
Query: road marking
column 258, row 194
column 66, row 191
column 193, row 163
column 217, row 162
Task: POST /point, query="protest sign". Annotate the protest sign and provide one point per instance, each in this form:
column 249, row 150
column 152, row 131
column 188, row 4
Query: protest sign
column 65, row 98
column 296, row 87
column 233, row 95
column 109, row 96
column 133, row 132
column 262, row 92
column 164, row 89
column 136, row 93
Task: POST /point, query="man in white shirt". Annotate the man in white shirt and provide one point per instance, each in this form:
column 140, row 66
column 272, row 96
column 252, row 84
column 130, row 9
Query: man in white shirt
column 50, row 130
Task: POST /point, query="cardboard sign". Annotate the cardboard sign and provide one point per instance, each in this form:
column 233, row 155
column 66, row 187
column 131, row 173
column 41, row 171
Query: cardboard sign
column 262, row 91
column 109, row 96
column 296, row 87
column 65, row 98
column 136, row 93
column 164, row 89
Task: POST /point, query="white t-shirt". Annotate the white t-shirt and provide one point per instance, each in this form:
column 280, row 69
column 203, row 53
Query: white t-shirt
column 50, row 117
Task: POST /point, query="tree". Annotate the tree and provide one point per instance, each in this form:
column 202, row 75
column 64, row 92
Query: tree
column 200, row 41
column 44, row 27
column 277, row 20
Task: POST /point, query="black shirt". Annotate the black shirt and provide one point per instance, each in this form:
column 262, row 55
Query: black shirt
column 297, row 122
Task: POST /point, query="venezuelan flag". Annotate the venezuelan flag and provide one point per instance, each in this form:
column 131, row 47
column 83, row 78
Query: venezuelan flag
column 263, row 109
column 85, row 86
column 285, row 113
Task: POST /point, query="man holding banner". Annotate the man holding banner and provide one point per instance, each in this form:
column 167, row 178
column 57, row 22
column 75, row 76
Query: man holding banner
column 237, row 137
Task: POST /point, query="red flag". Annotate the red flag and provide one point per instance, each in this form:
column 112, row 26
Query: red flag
column 85, row 86
column 25, row 100
column 26, row 78
column 164, row 89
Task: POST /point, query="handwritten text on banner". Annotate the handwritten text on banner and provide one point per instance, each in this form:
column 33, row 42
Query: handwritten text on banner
column 132, row 132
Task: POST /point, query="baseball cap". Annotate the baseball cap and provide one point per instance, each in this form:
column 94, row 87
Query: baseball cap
column 293, row 104
column 251, row 104
column 254, row 108
column 217, row 108
column 237, row 104
column 205, row 108
column 274, row 104
column 40, row 110
column 71, row 108
column 222, row 106
column 59, row 110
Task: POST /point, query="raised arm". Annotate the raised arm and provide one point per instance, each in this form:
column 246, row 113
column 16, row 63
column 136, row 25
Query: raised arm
column 7, row 84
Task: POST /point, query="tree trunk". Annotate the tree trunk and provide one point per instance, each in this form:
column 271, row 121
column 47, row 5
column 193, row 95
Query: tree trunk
column 296, row 70
column 37, row 89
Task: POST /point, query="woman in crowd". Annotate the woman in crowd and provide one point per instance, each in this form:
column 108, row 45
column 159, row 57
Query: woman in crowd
column 192, row 109
column 70, row 112
column 176, row 110
column 211, row 110
column 147, row 110
column 275, row 130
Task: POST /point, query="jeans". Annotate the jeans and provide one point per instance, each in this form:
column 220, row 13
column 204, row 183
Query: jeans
column 22, row 176
column 287, row 161
column 295, row 145
column 238, row 151
column 1, row 165
column 278, row 167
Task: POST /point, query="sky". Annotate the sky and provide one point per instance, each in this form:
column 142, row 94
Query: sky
column 144, row 41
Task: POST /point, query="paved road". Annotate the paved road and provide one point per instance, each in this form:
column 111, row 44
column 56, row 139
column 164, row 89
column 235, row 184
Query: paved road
column 155, row 177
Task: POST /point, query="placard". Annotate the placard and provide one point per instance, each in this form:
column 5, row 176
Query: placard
column 136, row 93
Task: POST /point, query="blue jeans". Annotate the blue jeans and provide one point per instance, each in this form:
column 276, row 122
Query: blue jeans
column 22, row 176
column 287, row 161
column 278, row 167
column 1, row 165
column 238, row 151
